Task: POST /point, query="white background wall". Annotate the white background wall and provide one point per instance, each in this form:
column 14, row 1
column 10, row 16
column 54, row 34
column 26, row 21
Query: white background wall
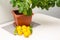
column 6, row 16
column 5, row 11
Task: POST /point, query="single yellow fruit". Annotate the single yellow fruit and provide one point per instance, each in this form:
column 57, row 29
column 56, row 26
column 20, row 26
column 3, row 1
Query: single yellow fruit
column 23, row 27
column 29, row 32
column 28, row 28
column 18, row 28
column 26, row 34
column 24, row 30
column 20, row 33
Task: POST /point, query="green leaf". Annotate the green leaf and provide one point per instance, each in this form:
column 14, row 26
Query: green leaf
column 25, row 12
column 31, row 29
column 13, row 2
column 15, row 32
column 29, row 12
column 30, row 1
column 33, row 5
column 58, row 3
column 27, row 6
column 20, row 9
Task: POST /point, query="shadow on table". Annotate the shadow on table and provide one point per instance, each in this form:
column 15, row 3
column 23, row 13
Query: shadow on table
column 34, row 24
column 10, row 28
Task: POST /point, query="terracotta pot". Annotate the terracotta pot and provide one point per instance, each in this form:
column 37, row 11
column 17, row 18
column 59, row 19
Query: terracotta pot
column 21, row 19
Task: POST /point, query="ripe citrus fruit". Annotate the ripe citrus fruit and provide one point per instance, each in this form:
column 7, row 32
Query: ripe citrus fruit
column 29, row 32
column 18, row 27
column 23, row 27
column 19, row 32
column 24, row 30
column 26, row 34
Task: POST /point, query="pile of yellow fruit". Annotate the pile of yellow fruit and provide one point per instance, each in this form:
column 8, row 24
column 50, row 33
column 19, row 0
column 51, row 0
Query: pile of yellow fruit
column 26, row 30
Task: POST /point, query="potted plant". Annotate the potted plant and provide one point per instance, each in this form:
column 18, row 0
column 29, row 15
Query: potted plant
column 23, row 16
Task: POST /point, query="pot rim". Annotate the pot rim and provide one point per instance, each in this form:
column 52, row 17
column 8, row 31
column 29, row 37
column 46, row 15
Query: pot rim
column 19, row 15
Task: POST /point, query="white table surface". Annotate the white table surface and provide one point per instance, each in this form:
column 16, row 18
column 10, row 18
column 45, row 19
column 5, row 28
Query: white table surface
column 45, row 28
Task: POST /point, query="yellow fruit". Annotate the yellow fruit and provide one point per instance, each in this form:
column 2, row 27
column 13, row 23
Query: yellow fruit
column 26, row 34
column 18, row 28
column 24, row 30
column 20, row 33
column 28, row 28
column 29, row 32
column 23, row 27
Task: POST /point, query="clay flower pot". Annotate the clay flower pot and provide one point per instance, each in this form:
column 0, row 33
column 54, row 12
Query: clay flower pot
column 21, row 19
